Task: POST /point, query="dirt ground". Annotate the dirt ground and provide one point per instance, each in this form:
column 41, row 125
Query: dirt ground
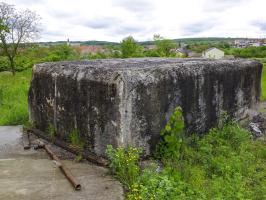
column 32, row 175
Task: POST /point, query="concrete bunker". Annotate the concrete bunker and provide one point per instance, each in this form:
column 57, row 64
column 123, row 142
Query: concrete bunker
column 128, row 101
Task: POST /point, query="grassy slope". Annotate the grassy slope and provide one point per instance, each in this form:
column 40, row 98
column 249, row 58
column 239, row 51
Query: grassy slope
column 13, row 97
column 263, row 83
column 223, row 164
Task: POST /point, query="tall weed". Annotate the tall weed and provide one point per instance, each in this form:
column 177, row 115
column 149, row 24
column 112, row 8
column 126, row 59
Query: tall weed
column 225, row 163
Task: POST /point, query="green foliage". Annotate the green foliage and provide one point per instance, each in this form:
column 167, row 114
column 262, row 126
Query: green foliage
column 263, row 83
column 151, row 53
column 249, row 52
column 60, row 53
column 4, row 63
column 130, row 48
column 51, row 131
column 30, row 55
column 223, row 164
column 78, row 158
column 200, row 47
column 98, row 55
column 164, row 46
column 28, row 124
column 1, row 96
column 124, row 164
column 13, row 98
column 173, row 137
column 75, row 139
column 3, row 27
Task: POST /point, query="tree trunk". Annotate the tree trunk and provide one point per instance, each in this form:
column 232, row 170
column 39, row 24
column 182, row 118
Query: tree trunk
column 12, row 66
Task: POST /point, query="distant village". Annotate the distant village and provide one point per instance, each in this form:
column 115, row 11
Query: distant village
column 182, row 51
column 243, row 43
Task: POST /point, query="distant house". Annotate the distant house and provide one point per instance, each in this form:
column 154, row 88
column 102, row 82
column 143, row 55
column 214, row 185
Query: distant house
column 256, row 44
column 185, row 53
column 248, row 42
column 213, row 53
column 241, row 43
column 150, row 47
column 193, row 54
column 182, row 52
column 89, row 49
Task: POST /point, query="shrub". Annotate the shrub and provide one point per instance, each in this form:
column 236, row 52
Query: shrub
column 124, row 164
column 130, row 48
column 173, row 136
column 225, row 163
column 4, row 63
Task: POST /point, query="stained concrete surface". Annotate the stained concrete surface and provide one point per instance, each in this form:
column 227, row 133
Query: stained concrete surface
column 30, row 175
column 129, row 101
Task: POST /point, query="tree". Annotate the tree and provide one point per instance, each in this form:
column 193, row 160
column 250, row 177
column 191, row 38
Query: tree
column 130, row 48
column 16, row 28
column 164, row 46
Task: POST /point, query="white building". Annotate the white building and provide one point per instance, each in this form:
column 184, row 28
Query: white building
column 213, row 53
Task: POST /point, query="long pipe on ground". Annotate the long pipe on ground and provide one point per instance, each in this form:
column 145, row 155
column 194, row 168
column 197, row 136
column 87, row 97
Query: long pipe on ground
column 62, row 167
column 89, row 156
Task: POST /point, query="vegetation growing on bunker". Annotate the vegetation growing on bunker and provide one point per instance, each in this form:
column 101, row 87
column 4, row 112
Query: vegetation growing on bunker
column 75, row 139
column 223, row 164
column 51, row 131
column 77, row 143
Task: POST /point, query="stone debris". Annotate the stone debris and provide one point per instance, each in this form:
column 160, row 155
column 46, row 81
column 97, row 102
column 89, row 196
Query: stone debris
column 255, row 130
column 258, row 126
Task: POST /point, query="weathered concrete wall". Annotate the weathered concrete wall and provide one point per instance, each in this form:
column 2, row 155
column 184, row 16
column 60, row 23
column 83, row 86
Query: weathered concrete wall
column 128, row 101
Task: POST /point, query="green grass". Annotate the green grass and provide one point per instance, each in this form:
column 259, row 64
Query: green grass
column 263, row 83
column 223, row 164
column 13, row 97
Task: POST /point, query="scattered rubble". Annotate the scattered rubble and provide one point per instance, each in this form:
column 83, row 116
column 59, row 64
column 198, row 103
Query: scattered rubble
column 258, row 126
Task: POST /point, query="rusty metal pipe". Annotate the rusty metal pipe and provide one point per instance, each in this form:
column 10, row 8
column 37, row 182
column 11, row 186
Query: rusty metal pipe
column 62, row 167
column 89, row 156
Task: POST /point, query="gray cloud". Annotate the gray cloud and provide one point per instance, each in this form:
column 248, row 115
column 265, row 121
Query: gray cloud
column 135, row 6
column 29, row 2
column 101, row 23
column 59, row 14
column 195, row 28
column 127, row 30
column 114, row 19
column 53, row 32
column 260, row 24
column 221, row 5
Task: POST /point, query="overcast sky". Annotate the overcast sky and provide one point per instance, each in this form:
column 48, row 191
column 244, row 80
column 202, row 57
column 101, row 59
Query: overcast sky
column 112, row 20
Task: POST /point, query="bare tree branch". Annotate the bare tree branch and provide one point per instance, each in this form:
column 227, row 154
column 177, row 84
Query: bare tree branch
column 16, row 27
